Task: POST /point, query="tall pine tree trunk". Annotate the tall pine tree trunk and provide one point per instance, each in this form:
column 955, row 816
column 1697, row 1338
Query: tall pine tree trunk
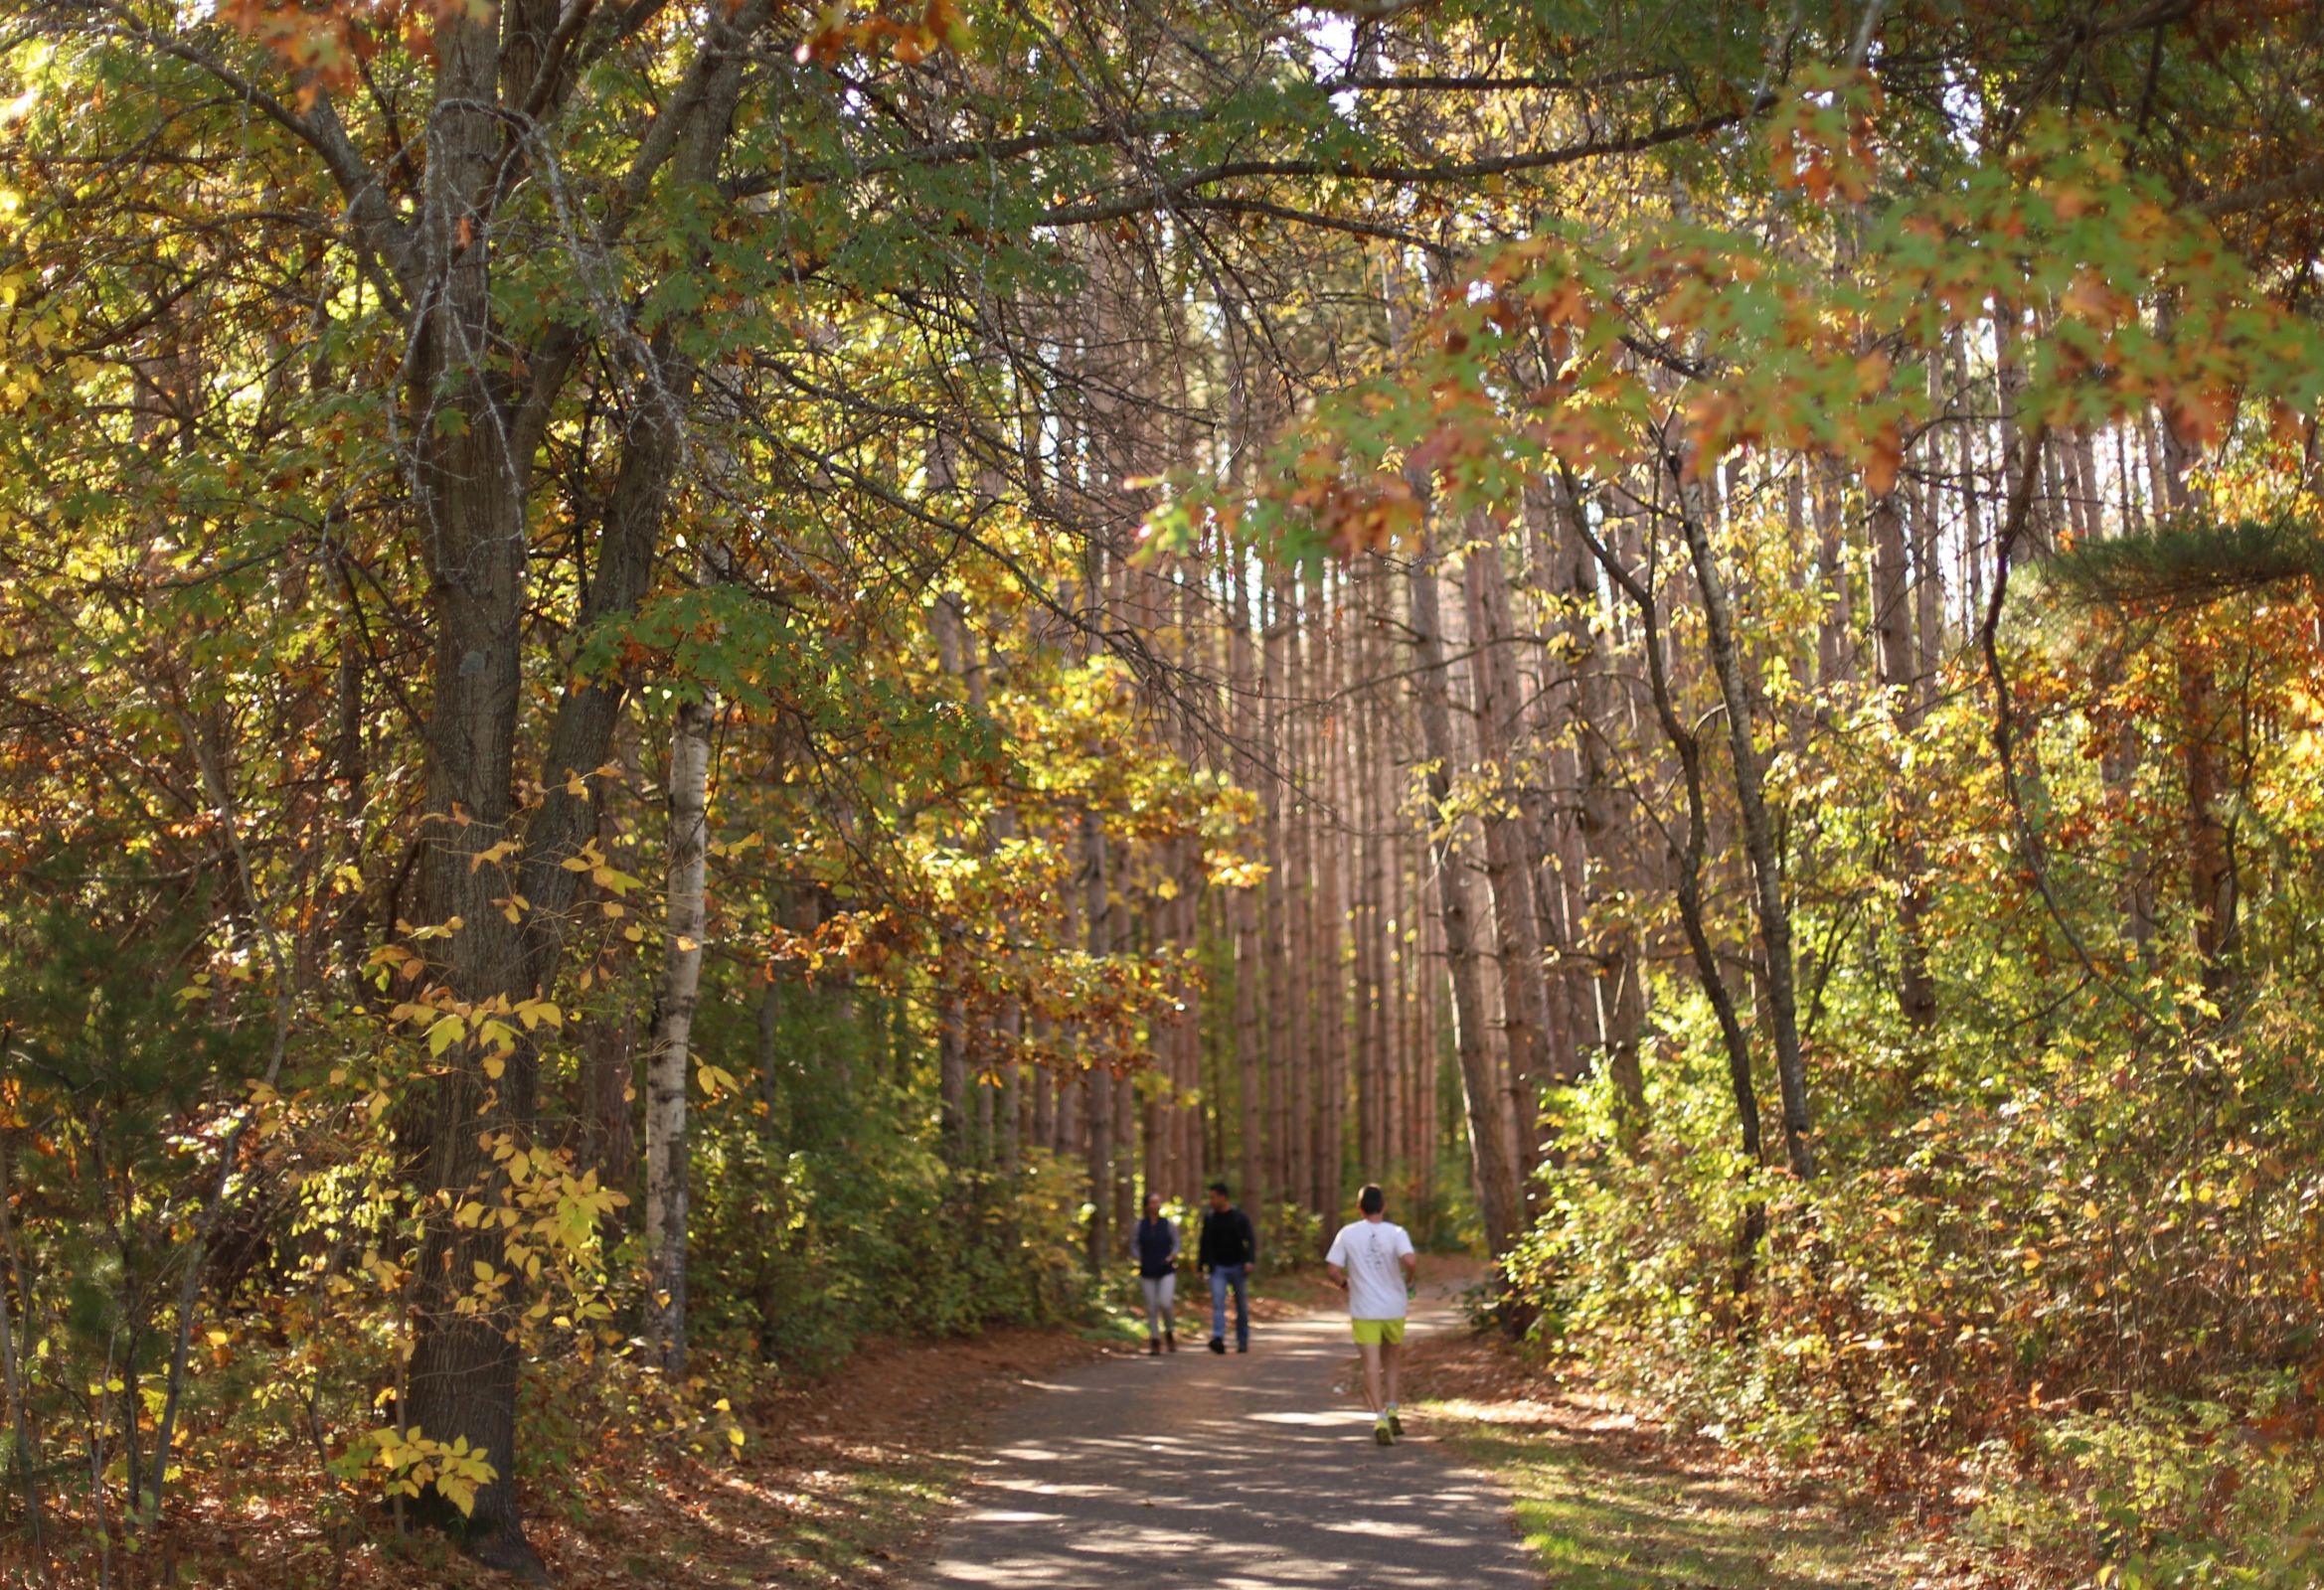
column 1496, row 1176
column 1512, row 858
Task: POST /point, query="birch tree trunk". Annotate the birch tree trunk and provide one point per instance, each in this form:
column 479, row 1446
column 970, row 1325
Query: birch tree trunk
column 1898, row 653
column 667, row 1070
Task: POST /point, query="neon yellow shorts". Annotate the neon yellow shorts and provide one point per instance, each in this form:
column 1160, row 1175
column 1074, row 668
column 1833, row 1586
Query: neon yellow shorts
column 1372, row 1333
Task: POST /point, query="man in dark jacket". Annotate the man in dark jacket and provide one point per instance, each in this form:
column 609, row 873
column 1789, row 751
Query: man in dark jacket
column 1228, row 1250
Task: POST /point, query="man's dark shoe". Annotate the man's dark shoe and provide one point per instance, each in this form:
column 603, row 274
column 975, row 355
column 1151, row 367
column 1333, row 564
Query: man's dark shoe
column 1218, row 1345
column 1242, row 1347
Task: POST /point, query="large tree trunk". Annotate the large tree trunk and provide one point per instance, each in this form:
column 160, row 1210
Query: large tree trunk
column 472, row 490
column 474, row 435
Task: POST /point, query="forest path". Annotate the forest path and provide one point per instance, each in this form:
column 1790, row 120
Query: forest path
column 1250, row 1472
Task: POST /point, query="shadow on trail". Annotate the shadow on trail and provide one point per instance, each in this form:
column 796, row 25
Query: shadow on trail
column 1247, row 1473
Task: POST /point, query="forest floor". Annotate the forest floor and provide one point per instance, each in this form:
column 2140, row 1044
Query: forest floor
column 1608, row 1500
column 837, row 1482
column 833, row 1483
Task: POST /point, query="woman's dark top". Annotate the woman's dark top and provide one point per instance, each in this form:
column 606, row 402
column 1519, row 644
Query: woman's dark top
column 1157, row 1242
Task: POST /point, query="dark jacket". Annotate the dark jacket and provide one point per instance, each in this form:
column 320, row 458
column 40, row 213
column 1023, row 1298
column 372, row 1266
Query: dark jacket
column 1156, row 1243
column 1227, row 1239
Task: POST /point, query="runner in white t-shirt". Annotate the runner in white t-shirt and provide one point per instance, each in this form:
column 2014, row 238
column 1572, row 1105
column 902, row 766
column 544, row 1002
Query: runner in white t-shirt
column 1372, row 1260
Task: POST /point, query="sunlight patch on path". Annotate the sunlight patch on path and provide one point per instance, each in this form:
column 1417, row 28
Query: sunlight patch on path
column 1252, row 1471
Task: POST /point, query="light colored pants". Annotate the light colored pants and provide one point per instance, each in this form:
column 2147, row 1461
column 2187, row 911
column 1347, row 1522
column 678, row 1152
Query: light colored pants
column 1159, row 1290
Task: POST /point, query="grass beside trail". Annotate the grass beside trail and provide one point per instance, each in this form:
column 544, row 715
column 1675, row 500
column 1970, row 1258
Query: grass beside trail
column 1608, row 1505
column 1599, row 1526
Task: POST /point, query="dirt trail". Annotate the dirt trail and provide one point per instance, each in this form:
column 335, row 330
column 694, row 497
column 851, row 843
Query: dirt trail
column 1243, row 1472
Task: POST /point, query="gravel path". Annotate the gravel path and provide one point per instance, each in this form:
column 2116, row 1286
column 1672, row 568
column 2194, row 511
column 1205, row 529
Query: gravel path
column 1244, row 1473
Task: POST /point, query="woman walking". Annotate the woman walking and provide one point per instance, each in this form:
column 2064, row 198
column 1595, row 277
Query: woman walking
column 1155, row 1242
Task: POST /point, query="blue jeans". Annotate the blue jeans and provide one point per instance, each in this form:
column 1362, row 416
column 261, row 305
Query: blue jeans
column 1237, row 1276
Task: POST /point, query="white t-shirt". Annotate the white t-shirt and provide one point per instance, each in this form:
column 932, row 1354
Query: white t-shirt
column 1371, row 1252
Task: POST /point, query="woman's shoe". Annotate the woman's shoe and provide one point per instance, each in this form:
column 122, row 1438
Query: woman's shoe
column 1153, row 1347
column 1170, row 1340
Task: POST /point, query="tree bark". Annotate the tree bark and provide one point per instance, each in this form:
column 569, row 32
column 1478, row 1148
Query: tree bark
column 1898, row 653
column 1098, row 1079
column 472, row 436
column 1512, row 859
column 1496, row 1176
column 668, row 1070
